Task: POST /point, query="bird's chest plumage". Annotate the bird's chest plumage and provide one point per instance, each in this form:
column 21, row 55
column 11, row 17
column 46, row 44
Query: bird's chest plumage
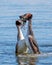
column 21, row 45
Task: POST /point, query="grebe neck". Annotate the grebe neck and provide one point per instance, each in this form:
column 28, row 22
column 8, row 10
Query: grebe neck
column 30, row 32
column 20, row 34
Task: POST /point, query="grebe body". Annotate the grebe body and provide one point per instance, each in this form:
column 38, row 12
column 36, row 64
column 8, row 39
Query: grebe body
column 32, row 41
column 21, row 46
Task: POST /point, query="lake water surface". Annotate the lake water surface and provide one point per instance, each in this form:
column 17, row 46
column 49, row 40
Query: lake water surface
column 42, row 27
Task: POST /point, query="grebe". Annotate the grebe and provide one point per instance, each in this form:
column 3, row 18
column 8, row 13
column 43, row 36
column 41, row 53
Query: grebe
column 21, row 47
column 32, row 42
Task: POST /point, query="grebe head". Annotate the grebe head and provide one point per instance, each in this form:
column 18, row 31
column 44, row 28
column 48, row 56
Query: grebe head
column 18, row 22
column 26, row 16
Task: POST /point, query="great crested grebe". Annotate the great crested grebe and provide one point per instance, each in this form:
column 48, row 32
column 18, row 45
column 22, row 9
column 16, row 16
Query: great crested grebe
column 32, row 42
column 21, row 47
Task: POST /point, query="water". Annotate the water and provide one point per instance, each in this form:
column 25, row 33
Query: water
column 42, row 27
column 37, row 59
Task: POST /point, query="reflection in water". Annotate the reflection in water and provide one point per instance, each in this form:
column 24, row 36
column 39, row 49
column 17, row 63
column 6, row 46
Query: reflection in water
column 35, row 59
column 26, row 60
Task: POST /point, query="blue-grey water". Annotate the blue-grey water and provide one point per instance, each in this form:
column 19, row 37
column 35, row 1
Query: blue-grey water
column 42, row 27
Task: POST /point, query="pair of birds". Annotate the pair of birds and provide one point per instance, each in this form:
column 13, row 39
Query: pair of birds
column 29, row 45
